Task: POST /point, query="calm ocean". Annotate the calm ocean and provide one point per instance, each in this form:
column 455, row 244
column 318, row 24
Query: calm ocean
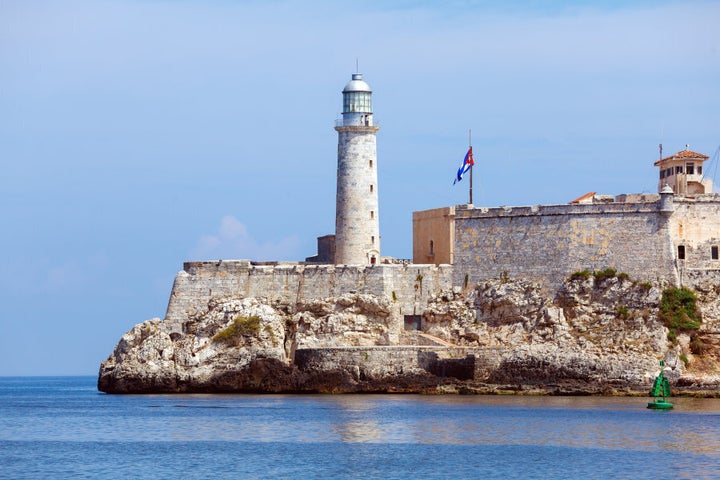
column 62, row 427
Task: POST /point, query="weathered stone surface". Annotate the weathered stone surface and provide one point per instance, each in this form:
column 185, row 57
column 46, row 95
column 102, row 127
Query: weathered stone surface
column 595, row 336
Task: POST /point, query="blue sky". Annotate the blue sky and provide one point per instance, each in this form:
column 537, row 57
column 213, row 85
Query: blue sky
column 138, row 134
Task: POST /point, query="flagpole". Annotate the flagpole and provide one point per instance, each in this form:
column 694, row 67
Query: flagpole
column 471, row 169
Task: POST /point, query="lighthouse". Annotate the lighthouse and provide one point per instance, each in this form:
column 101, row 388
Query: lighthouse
column 357, row 228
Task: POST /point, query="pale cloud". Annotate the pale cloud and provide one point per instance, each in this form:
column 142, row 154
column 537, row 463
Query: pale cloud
column 233, row 241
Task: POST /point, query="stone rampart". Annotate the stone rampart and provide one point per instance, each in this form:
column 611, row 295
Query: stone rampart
column 408, row 287
column 378, row 363
column 548, row 243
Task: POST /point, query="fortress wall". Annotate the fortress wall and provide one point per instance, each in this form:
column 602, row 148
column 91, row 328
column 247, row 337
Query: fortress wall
column 198, row 282
column 549, row 243
column 377, row 363
column 695, row 224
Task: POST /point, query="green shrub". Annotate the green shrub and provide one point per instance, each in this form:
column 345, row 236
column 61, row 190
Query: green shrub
column 684, row 359
column 646, row 285
column 601, row 275
column 623, row 311
column 623, row 276
column 581, row 275
column 679, row 311
column 240, row 326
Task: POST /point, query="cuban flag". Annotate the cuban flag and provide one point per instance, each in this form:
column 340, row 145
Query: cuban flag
column 466, row 165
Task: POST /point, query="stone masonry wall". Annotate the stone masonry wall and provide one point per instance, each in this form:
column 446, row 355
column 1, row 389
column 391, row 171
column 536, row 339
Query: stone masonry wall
column 548, row 243
column 409, row 287
column 377, row 363
column 695, row 225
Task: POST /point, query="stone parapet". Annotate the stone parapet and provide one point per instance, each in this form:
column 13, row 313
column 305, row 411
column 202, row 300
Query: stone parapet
column 408, row 287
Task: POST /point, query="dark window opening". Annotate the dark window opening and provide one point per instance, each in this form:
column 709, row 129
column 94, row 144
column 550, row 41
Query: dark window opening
column 690, row 168
column 699, row 169
column 681, row 252
column 714, row 252
column 372, row 214
column 432, row 248
column 371, row 188
column 412, row 322
column 372, row 239
column 370, row 163
column 678, row 169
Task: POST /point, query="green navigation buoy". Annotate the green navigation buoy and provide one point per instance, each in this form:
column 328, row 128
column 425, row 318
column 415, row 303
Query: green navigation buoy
column 660, row 390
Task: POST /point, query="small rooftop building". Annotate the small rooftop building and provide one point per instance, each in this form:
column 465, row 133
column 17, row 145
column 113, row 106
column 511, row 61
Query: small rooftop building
column 683, row 172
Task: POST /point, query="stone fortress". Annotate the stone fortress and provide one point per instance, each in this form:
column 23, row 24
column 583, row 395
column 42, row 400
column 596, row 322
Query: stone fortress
column 671, row 237
column 475, row 304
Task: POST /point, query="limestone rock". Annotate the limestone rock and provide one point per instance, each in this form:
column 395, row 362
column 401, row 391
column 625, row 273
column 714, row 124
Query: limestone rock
column 593, row 336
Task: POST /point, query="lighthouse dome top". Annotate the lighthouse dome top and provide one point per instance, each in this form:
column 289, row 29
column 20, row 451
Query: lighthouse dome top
column 357, row 84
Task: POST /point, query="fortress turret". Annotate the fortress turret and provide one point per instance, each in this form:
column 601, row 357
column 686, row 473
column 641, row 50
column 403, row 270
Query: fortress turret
column 683, row 172
column 357, row 228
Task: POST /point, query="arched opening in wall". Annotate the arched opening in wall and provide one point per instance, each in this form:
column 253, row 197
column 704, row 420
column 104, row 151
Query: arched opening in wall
column 681, row 252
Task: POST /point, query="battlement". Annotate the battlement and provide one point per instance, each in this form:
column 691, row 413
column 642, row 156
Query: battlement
column 407, row 286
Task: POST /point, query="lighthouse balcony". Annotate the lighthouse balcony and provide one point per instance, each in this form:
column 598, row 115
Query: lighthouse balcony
column 357, row 121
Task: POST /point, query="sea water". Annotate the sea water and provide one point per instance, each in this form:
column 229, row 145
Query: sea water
column 62, row 427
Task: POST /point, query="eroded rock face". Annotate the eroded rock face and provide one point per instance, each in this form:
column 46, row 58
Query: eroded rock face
column 593, row 336
column 590, row 334
column 258, row 358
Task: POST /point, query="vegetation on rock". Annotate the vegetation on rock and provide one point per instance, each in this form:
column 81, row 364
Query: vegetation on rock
column 679, row 311
column 239, row 327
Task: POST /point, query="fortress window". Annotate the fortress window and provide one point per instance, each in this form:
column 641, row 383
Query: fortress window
column 681, row 252
column 370, row 163
column 690, row 168
column 372, row 214
column 678, row 169
column 372, row 239
column 714, row 252
column 371, row 188
column 699, row 169
column 432, row 248
column 662, row 173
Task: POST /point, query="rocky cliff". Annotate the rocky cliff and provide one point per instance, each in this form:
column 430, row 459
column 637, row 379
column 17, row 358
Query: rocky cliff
column 596, row 334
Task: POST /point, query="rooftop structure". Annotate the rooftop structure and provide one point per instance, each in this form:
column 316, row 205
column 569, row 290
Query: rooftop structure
column 683, row 172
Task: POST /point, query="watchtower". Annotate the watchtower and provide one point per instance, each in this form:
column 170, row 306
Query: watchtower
column 357, row 227
column 683, row 172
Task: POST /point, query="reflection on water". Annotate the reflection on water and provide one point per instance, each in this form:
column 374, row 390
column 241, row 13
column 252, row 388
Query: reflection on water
column 585, row 422
column 57, row 429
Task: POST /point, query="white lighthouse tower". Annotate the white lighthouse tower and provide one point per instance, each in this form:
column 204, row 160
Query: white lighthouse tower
column 357, row 229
